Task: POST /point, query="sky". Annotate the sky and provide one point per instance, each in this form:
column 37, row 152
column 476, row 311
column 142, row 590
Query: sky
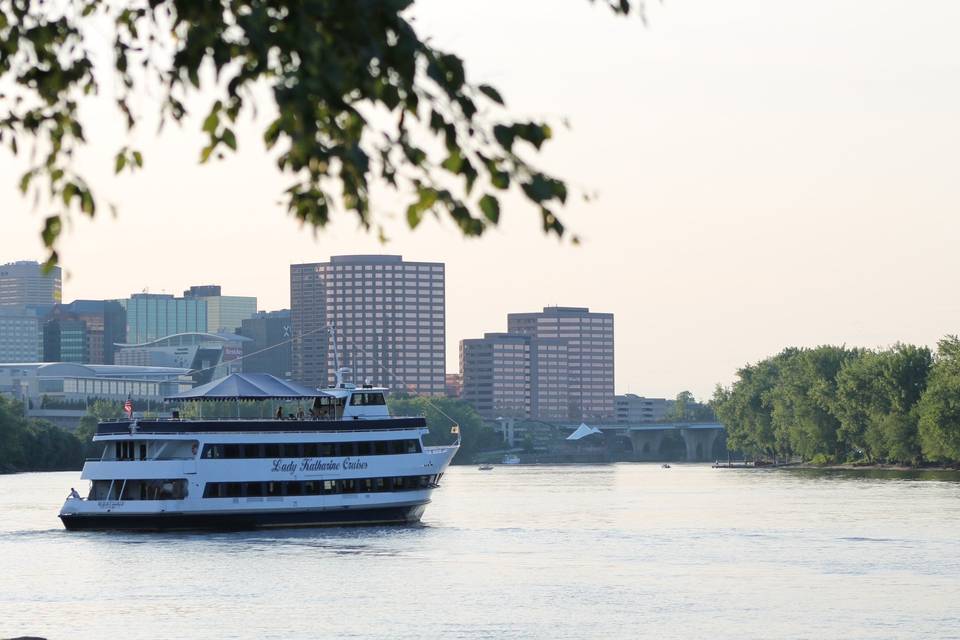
column 768, row 174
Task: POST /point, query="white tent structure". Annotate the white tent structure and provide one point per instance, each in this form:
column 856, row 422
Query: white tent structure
column 583, row 431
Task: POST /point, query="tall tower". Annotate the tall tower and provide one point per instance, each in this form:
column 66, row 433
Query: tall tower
column 388, row 316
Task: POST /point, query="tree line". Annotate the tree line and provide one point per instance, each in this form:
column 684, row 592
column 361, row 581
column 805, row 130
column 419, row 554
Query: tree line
column 840, row 404
column 28, row 444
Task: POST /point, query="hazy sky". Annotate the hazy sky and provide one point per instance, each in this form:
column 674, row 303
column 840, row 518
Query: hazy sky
column 769, row 174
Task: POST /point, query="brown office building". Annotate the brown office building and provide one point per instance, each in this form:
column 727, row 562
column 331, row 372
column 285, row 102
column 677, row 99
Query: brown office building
column 388, row 316
column 589, row 355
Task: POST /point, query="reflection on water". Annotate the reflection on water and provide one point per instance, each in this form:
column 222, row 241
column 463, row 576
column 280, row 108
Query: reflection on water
column 609, row 551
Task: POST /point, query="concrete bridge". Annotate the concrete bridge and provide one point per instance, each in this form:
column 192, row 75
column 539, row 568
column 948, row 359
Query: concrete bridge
column 644, row 441
column 647, row 439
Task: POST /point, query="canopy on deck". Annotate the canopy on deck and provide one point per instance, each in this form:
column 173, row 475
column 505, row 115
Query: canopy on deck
column 583, row 431
column 248, row 386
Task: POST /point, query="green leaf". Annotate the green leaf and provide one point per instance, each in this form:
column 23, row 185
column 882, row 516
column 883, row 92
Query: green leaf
column 51, row 229
column 491, row 93
column 491, row 208
column 453, row 162
column 210, row 122
column 120, row 163
column 138, row 158
column 86, row 202
column 229, row 139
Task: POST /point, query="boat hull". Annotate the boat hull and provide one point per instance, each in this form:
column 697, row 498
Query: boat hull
column 246, row 520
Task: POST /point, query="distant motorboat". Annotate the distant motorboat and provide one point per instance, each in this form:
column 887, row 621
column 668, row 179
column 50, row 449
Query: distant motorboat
column 664, row 466
column 486, row 467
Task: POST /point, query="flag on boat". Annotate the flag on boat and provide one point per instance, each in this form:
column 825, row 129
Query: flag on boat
column 128, row 407
column 455, row 429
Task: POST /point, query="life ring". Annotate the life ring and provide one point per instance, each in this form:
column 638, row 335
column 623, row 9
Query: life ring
column 194, row 448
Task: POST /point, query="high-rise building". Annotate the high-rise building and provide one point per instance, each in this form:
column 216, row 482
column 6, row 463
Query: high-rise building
column 589, row 339
column 100, row 323
column 388, row 317
column 224, row 313
column 269, row 349
column 24, row 282
column 515, row 375
column 20, row 336
column 151, row 316
column 66, row 340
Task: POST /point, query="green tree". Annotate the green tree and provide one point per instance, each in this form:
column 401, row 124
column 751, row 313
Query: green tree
column 358, row 98
column 34, row 445
column 939, row 407
column 97, row 412
column 876, row 402
column 746, row 408
column 802, row 401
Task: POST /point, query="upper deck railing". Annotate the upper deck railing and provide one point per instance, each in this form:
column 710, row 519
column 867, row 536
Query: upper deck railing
column 262, row 425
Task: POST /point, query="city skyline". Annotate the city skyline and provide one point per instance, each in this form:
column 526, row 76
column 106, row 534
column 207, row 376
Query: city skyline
column 743, row 204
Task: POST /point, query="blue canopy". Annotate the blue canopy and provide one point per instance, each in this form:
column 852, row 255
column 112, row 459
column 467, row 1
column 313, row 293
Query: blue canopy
column 248, row 386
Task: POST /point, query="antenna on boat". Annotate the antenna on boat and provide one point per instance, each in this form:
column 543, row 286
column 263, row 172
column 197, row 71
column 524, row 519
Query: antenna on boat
column 337, row 370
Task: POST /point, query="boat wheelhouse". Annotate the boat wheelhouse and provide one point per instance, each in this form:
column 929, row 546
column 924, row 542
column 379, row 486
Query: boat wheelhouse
column 274, row 454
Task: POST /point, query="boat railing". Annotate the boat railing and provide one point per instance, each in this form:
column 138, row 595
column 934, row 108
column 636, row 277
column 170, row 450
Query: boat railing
column 181, row 458
column 235, row 419
column 233, row 433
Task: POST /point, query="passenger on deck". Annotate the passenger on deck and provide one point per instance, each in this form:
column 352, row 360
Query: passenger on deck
column 74, row 494
column 279, row 415
column 300, row 413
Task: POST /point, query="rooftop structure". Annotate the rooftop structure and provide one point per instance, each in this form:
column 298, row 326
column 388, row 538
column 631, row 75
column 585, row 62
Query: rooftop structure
column 207, row 355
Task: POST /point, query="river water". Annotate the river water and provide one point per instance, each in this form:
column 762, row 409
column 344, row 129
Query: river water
column 598, row 551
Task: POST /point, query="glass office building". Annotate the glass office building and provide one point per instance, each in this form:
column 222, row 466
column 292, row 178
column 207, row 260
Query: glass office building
column 151, row 316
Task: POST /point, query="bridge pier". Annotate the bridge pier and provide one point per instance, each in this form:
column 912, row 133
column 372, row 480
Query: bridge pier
column 699, row 443
column 646, row 444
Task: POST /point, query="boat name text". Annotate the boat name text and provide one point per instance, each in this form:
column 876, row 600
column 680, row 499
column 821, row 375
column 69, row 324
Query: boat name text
column 281, row 465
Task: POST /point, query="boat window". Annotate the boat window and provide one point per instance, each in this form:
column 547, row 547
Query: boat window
column 138, row 489
column 311, row 449
column 367, row 399
column 298, row 488
column 143, row 451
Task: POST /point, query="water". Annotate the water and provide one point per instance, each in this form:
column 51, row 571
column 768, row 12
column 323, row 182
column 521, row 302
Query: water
column 604, row 551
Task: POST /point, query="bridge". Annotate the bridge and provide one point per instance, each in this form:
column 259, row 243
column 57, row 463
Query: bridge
column 646, row 440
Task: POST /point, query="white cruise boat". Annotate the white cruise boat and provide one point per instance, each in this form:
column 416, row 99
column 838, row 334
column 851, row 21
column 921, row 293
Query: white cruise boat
column 338, row 458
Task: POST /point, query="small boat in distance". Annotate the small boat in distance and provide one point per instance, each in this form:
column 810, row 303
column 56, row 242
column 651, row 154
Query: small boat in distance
column 485, row 467
column 664, row 466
